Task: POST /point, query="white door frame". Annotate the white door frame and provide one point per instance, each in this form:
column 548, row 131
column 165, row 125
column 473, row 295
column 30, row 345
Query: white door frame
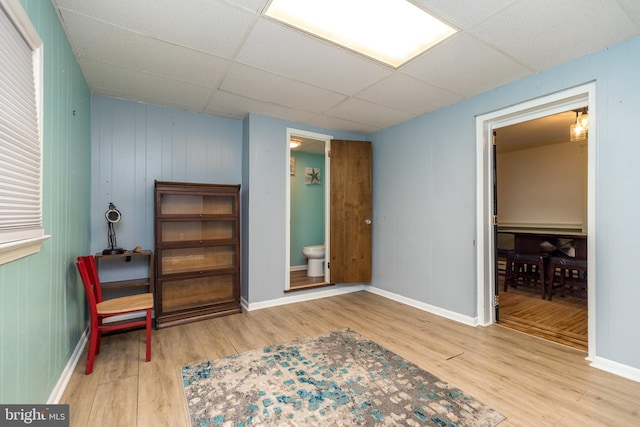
column 327, row 186
column 576, row 97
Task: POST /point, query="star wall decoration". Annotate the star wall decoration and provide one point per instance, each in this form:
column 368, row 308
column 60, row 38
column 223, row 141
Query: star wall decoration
column 312, row 176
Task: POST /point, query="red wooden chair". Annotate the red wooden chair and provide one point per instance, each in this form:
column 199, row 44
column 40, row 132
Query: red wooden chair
column 100, row 310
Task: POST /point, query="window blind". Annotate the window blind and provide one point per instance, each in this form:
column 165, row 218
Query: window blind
column 20, row 136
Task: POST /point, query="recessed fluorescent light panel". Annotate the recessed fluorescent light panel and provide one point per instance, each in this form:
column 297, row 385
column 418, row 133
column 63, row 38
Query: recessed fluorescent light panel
column 391, row 31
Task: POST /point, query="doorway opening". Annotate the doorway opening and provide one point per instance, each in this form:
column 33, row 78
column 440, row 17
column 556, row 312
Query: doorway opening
column 541, row 207
column 307, row 199
column 488, row 303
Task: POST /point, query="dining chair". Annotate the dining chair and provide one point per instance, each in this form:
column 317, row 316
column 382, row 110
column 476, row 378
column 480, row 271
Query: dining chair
column 572, row 275
column 100, row 309
column 526, row 269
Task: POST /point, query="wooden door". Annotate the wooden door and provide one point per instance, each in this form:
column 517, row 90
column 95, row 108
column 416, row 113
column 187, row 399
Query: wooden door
column 350, row 222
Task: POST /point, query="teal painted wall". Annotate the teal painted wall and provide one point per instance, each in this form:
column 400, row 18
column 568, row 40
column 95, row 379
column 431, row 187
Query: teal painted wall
column 307, row 207
column 42, row 308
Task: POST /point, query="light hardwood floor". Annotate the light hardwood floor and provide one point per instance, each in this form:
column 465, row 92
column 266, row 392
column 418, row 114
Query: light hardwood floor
column 533, row 382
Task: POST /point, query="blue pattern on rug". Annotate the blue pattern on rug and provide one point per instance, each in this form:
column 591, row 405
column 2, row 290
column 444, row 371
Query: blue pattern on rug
column 337, row 379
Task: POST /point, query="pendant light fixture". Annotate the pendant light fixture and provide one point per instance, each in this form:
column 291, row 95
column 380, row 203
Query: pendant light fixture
column 578, row 130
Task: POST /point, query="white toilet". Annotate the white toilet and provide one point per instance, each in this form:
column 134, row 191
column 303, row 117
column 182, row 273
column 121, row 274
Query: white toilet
column 315, row 256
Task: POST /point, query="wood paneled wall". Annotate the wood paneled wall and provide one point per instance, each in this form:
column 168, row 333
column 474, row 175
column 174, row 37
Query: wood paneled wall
column 135, row 144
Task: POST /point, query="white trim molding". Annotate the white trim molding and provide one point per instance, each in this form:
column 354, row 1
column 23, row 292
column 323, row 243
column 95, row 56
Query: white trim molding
column 303, row 296
column 61, row 385
column 616, row 368
column 19, row 249
column 447, row 314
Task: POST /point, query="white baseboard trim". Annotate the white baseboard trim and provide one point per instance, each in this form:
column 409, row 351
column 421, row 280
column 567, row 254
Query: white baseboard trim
column 298, row 267
column 616, row 368
column 346, row 289
column 303, row 296
column 471, row 321
column 61, row 385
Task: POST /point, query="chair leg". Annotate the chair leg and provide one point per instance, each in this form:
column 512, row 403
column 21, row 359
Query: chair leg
column 508, row 272
column 552, row 273
column 99, row 336
column 542, row 281
column 91, row 352
column 148, row 327
column 563, row 279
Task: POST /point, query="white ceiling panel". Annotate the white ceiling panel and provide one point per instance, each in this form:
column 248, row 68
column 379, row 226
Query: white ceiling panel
column 407, row 94
column 632, row 7
column 231, row 105
column 114, row 45
column 369, row 113
column 464, row 13
column 465, row 66
column 255, row 6
column 276, row 48
column 327, row 122
column 545, row 33
column 222, row 57
column 210, row 26
column 260, row 85
column 144, row 87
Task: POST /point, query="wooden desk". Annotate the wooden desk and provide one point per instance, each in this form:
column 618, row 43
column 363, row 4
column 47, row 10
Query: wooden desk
column 119, row 261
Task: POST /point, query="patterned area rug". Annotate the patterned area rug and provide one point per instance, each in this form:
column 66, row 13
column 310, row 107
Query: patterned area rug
column 337, row 379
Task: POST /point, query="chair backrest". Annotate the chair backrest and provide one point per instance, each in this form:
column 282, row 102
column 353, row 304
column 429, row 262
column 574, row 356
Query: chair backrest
column 92, row 271
column 88, row 288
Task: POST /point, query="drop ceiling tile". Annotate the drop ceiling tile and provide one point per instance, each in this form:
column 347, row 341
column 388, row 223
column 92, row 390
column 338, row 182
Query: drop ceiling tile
column 282, row 50
column 336, row 123
column 235, row 106
column 405, row 93
column 211, row 26
column 99, row 41
column 260, row 85
column 164, row 91
column 368, row 113
column 102, row 77
column 67, row 4
column 632, row 7
column 465, row 66
column 464, row 14
column 252, row 5
column 560, row 31
column 139, row 86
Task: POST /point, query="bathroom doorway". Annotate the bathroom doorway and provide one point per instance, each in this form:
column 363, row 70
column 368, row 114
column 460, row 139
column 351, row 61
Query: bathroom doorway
column 308, row 184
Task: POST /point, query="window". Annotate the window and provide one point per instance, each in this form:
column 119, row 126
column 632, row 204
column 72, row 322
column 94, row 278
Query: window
column 21, row 231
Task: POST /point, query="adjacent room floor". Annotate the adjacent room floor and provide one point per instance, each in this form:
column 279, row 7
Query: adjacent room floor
column 300, row 280
column 562, row 320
